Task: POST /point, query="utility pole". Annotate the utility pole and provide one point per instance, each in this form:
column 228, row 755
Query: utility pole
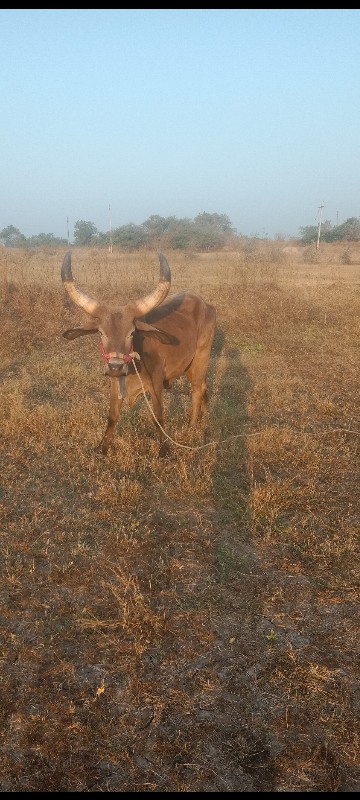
column 110, row 234
column 337, row 218
column 68, row 234
column 319, row 228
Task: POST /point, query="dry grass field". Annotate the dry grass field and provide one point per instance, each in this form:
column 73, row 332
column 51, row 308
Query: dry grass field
column 188, row 623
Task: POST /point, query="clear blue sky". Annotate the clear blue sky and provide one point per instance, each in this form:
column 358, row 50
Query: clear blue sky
column 250, row 113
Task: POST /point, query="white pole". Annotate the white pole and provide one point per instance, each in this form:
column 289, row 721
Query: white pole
column 110, row 235
column 319, row 228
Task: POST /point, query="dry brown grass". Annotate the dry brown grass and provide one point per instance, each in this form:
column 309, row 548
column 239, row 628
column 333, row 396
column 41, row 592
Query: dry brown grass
column 189, row 623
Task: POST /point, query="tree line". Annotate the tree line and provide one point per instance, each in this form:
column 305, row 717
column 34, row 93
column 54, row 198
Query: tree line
column 204, row 232
column 207, row 231
column 348, row 231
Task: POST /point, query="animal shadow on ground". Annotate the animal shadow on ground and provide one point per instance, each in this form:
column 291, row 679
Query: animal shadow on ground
column 235, row 748
column 244, row 750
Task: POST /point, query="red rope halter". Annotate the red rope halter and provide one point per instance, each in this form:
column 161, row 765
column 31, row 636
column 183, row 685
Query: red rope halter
column 104, row 355
column 127, row 358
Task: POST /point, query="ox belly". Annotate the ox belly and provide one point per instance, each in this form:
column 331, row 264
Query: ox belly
column 130, row 387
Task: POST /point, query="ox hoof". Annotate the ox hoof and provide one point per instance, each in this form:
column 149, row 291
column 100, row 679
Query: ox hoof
column 100, row 450
column 164, row 449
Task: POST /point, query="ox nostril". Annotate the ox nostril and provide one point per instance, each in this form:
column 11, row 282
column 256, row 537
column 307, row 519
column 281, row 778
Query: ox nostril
column 117, row 366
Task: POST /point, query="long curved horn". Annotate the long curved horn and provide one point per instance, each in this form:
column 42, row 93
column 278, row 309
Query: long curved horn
column 81, row 299
column 150, row 301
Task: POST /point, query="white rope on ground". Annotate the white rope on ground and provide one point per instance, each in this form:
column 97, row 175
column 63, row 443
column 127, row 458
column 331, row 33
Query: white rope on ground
column 220, row 441
column 185, row 446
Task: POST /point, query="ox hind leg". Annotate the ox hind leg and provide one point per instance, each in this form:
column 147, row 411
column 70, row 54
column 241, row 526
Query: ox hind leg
column 157, row 399
column 196, row 372
column 114, row 413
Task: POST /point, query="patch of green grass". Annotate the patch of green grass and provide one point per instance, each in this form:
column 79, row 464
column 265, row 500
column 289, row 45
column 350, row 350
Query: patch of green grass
column 226, row 564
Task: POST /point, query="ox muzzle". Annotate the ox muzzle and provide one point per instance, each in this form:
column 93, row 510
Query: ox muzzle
column 116, row 366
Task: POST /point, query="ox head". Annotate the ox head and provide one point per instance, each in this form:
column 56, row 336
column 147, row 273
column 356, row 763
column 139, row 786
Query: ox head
column 116, row 328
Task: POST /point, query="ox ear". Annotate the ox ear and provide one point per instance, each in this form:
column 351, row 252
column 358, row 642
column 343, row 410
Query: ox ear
column 73, row 333
column 150, row 330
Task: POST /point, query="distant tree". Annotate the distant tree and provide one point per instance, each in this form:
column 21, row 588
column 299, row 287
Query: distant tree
column 308, row 234
column 44, row 239
column 130, row 236
column 102, row 239
column 207, row 236
column 85, row 233
column 220, row 222
column 181, row 235
column 11, row 237
column 156, row 226
column 349, row 231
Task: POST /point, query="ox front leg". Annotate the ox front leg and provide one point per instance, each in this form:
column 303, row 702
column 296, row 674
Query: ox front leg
column 114, row 413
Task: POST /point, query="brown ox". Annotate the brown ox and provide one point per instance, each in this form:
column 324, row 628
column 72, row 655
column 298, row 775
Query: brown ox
column 172, row 337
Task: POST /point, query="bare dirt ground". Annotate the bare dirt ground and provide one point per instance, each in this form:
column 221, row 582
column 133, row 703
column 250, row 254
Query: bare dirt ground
column 188, row 623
